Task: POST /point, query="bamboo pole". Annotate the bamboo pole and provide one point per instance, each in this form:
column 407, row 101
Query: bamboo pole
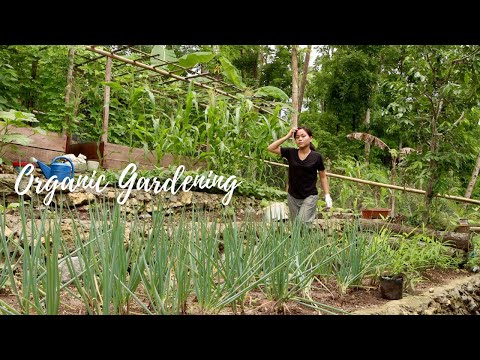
column 389, row 186
column 166, row 73
column 106, row 100
column 68, row 92
column 294, row 87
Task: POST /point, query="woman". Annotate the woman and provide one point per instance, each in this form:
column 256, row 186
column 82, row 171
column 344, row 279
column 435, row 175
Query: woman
column 304, row 163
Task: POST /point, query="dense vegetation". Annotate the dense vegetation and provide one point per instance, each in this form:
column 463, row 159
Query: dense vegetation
column 420, row 103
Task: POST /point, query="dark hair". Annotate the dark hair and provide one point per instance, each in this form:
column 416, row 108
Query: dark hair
column 309, row 132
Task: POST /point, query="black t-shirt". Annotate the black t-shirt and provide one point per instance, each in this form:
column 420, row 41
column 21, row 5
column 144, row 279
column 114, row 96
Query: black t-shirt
column 302, row 174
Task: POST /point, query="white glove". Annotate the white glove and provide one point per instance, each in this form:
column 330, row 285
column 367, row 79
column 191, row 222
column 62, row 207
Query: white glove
column 328, row 200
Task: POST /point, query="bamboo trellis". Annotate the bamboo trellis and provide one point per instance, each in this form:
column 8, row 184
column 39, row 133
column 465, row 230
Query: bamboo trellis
column 389, row 186
column 172, row 75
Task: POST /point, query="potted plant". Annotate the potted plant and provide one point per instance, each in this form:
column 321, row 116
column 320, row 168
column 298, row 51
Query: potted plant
column 392, row 279
column 391, row 285
column 378, row 213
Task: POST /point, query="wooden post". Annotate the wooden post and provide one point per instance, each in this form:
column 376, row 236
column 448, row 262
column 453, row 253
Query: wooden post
column 106, row 102
column 68, row 92
column 303, row 83
column 294, row 86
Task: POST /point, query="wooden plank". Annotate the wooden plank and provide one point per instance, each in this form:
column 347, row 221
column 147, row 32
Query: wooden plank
column 121, row 164
column 125, row 153
column 50, row 141
column 24, row 153
column 119, row 156
column 87, row 149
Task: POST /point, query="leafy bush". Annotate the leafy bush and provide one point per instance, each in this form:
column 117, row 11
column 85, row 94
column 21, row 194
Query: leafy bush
column 7, row 137
column 415, row 254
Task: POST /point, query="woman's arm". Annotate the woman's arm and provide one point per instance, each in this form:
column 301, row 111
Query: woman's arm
column 326, row 190
column 275, row 146
column 324, row 182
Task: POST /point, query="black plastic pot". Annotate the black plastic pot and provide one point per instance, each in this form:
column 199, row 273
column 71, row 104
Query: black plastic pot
column 391, row 287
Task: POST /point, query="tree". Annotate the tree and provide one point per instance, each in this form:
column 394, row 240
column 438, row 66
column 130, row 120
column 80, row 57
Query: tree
column 432, row 89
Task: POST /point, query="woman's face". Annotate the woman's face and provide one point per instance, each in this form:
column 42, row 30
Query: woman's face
column 302, row 139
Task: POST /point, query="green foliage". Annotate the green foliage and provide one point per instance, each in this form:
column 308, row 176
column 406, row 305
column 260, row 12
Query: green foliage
column 398, row 84
column 231, row 73
column 346, row 83
column 358, row 257
column 162, row 55
column 474, row 254
column 271, row 91
column 413, row 255
column 277, row 72
column 192, row 59
column 7, row 137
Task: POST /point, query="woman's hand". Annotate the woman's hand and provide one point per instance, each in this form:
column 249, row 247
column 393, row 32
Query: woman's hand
column 291, row 133
column 275, row 146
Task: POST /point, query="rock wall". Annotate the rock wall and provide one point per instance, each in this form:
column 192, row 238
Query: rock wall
column 460, row 297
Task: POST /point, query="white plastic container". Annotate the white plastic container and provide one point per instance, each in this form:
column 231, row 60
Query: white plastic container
column 92, row 165
column 276, row 211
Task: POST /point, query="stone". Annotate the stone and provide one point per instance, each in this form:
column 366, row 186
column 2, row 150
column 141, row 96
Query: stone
column 77, row 264
column 79, row 198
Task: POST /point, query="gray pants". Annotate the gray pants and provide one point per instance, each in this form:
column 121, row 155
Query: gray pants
column 304, row 209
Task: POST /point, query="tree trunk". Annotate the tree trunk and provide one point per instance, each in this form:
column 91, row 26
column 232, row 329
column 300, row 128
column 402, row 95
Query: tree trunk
column 30, row 102
column 294, row 86
column 301, row 90
column 367, row 144
column 393, row 177
column 473, row 180
column 258, row 72
column 432, row 180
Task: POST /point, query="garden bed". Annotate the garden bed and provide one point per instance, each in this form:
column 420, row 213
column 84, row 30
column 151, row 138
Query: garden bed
column 339, row 242
column 326, row 292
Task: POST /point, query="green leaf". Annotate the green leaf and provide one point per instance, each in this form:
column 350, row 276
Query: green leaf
column 114, row 85
column 17, row 115
column 195, row 58
column 231, row 73
column 151, row 96
column 17, row 138
column 7, row 115
column 271, row 91
column 164, row 55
